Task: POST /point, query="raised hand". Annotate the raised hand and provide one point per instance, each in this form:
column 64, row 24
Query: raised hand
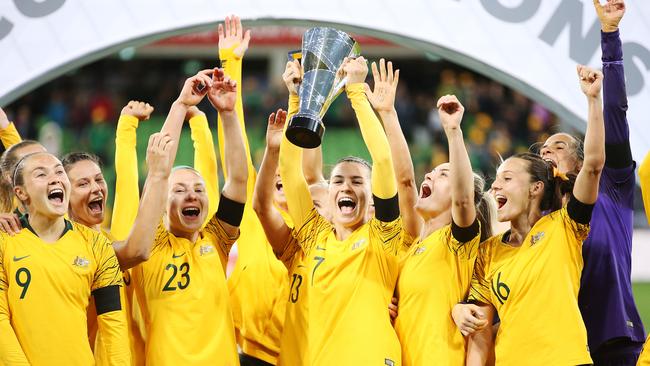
column 140, row 110
column 610, row 14
column 159, row 154
column 195, row 88
column 275, row 128
column 591, row 81
column 231, row 35
column 383, row 97
column 292, row 76
column 223, row 92
column 468, row 318
column 355, row 70
column 450, row 111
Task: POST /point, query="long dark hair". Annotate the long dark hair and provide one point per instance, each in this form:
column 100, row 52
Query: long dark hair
column 555, row 186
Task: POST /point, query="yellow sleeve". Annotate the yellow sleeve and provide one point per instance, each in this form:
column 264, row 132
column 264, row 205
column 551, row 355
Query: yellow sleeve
column 113, row 330
column 232, row 66
column 10, row 351
column 644, row 177
column 295, row 186
column 383, row 176
column 480, row 286
column 644, row 358
column 205, row 159
column 127, row 191
column 9, row 136
column 108, row 269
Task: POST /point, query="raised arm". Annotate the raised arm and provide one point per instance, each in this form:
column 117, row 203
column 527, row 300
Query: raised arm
column 223, row 95
column 194, row 90
column 137, row 247
column 384, row 187
column 205, row 158
column 617, row 133
column 294, row 184
column 463, row 210
column 10, row 351
column 586, row 185
column 383, row 101
column 233, row 44
column 127, row 190
column 276, row 230
column 8, row 133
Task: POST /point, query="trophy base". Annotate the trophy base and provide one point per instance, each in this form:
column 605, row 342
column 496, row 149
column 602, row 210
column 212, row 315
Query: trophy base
column 305, row 132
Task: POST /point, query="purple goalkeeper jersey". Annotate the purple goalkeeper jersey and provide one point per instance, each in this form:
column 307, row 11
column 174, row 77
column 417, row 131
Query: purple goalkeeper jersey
column 605, row 299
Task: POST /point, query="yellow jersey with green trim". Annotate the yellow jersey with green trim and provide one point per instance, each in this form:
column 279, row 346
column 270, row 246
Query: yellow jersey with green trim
column 534, row 289
column 182, row 293
column 348, row 285
column 48, row 286
column 435, row 275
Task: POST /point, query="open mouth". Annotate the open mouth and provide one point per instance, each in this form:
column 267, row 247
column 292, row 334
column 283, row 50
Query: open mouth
column 55, row 195
column 346, row 205
column 425, row 191
column 501, row 201
column 96, row 205
column 278, row 186
column 191, row 212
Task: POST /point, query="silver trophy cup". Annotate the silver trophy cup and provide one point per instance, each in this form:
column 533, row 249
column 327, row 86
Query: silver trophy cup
column 323, row 52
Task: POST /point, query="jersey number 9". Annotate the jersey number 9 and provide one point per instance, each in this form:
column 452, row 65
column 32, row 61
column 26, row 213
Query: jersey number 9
column 24, row 284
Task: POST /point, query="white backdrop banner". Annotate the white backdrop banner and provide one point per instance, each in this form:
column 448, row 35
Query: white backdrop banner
column 530, row 45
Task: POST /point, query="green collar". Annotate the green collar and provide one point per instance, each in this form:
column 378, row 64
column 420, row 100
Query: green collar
column 24, row 221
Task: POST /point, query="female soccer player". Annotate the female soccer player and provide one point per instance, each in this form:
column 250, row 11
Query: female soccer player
column 614, row 327
column 345, row 270
column 8, row 161
column 541, row 254
column 182, row 287
column 47, row 273
column 435, row 272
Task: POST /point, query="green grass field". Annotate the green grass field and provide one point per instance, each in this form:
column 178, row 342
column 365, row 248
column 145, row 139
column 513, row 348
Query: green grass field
column 642, row 297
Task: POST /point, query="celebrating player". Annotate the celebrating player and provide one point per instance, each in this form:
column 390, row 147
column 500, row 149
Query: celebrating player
column 345, row 270
column 538, row 253
column 182, row 287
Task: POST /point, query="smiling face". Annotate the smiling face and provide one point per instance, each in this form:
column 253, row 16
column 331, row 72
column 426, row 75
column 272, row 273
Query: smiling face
column 187, row 203
column 42, row 185
column 560, row 148
column 435, row 193
column 513, row 190
column 88, row 194
column 349, row 194
column 278, row 193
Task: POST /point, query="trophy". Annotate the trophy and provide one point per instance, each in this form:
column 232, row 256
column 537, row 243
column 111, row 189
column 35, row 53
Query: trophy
column 323, row 52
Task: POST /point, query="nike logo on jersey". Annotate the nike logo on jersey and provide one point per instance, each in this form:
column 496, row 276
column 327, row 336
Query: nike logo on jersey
column 16, row 259
column 174, row 255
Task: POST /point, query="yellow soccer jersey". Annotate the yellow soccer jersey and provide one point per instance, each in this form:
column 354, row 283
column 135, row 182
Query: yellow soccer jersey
column 9, row 136
column 644, row 358
column 48, row 286
column 535, row 292
column 350, row 284
column 182, row 293
column 434, row 276
column 644, row 182
column 133, row 320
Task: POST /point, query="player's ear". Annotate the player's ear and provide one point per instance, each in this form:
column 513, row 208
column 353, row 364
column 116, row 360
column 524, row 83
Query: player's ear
column 21, row 193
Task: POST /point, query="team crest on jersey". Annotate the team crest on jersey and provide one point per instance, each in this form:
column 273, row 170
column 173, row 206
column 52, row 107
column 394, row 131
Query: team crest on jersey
column 358, row 243
column 206, row 249
column 80, row 262
column 535, row 238
column 419, row 251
